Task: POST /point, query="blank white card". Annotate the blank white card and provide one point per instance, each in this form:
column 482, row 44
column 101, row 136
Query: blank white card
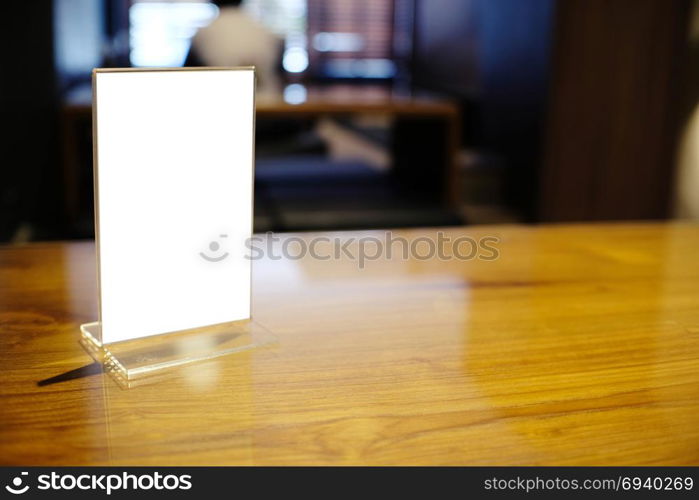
column 174, row 198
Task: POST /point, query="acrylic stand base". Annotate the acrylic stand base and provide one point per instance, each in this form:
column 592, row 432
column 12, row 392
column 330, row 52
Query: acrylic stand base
column 131, row 362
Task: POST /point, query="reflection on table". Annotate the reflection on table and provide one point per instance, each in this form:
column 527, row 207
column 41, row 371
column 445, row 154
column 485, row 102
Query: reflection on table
column 576, row 345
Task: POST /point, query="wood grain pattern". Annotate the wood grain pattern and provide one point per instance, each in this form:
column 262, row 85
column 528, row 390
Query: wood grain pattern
column 613, row 121
column 578, row 345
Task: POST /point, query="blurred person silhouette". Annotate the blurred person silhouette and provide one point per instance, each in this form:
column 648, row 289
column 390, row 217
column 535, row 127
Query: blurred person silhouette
column 236, row 39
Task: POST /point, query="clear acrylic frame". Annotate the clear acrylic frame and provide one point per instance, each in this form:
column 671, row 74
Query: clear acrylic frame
column 133, row 361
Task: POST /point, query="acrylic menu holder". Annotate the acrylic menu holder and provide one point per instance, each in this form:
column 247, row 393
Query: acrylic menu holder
column 134, row 361
column 138, row 351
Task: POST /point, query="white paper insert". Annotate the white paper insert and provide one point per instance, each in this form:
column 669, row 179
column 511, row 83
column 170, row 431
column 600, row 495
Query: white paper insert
column 174, row 180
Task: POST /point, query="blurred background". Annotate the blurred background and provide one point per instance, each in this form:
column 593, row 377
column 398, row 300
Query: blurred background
column 379, row 113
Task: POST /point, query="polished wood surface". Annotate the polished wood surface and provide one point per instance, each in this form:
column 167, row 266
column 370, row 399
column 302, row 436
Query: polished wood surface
column 578, row 345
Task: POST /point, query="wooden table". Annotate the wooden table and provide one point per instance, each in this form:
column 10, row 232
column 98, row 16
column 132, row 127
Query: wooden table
column 419, row 120
column 578, row 345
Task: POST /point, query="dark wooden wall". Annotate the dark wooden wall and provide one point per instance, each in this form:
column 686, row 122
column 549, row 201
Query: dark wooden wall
column 612, row 122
